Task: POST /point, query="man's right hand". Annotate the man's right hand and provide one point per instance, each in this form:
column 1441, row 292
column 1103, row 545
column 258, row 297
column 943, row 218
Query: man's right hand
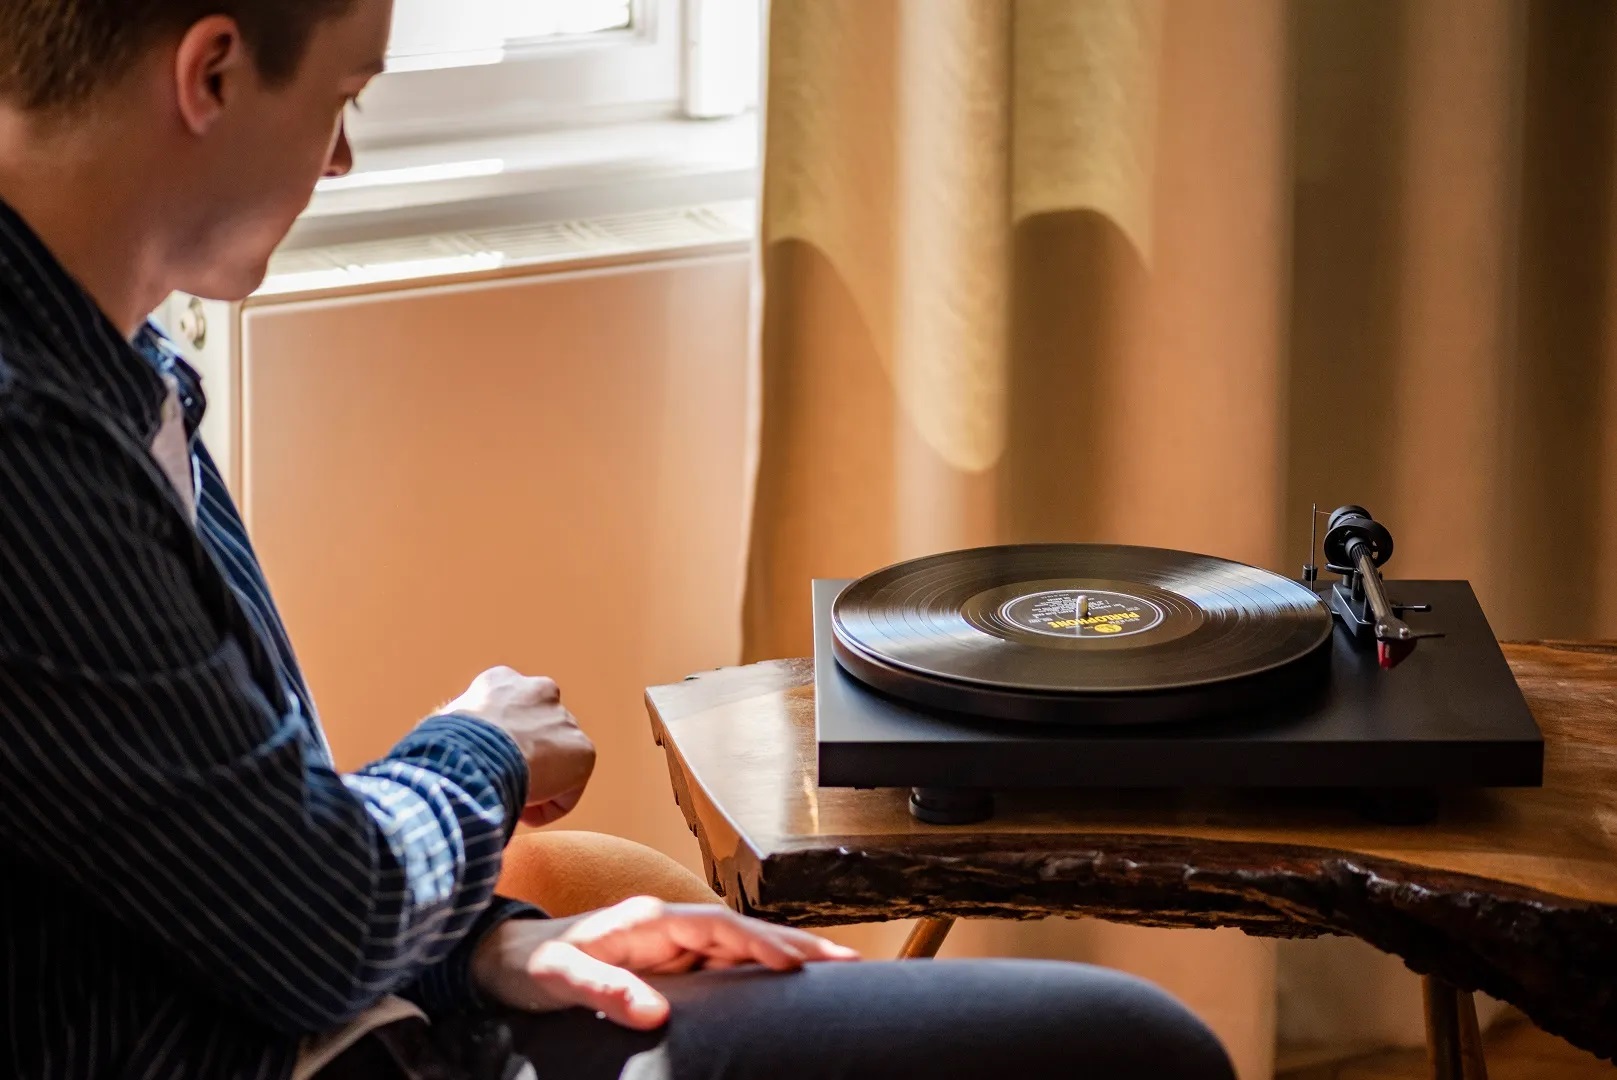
column 596, row 960
column 560, row 756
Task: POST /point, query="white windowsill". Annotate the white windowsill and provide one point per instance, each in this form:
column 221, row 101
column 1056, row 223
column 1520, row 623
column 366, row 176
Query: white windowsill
column 543, row 176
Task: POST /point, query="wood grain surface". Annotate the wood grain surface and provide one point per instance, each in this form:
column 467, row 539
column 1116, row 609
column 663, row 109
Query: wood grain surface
column 1512, row 892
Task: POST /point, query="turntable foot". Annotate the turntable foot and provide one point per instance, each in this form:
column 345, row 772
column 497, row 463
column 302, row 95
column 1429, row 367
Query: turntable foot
column 951, row 806
column 1399, row 806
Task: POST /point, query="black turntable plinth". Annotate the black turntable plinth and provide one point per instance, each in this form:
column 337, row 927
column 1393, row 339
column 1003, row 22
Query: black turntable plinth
column 1446, row 715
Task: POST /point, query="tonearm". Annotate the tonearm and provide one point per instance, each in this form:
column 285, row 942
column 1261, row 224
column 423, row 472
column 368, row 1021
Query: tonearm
column 1356, row 546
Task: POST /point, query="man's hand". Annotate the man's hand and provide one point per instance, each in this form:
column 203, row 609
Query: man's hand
column 560, row 756
column 595, row 960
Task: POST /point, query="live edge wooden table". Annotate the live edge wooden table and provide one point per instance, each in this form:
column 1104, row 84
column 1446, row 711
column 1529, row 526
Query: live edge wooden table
column 1509, row 892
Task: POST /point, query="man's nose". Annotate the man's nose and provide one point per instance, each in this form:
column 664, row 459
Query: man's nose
column 342, row 155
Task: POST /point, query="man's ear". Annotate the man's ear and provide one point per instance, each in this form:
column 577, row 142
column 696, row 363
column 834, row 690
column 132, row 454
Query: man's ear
column 210, row 67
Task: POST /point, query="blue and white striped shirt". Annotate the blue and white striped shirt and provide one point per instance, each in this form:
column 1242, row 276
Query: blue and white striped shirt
column 187, row 886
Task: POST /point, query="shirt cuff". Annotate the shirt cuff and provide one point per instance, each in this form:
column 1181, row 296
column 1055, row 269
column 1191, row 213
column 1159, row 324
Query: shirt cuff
column 448, row 986
column 499, row 754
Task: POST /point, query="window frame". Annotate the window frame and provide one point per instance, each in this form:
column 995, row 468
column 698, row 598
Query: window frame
column 663, row 113
column 654, row 69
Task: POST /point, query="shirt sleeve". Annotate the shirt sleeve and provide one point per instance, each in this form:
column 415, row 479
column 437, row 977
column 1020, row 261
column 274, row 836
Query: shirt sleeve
column 149, row 762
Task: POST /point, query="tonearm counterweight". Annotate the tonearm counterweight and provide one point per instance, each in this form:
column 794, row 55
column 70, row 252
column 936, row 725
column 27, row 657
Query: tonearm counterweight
column 1356, row 546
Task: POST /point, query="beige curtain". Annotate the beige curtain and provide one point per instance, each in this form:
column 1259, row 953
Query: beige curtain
column 1168, row 271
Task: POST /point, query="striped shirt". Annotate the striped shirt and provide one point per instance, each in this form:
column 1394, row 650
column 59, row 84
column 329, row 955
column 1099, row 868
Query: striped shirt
column 187, row 885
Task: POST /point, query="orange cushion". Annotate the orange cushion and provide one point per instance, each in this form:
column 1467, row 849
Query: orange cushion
column 566, row 873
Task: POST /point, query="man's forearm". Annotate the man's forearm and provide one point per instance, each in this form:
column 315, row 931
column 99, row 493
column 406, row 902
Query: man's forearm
column 298, row 894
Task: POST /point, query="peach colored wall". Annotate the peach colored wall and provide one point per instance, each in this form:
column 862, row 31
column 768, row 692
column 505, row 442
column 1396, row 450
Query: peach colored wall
column 544, row 471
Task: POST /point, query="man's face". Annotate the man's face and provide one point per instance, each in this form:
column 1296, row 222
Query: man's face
column 251, row 174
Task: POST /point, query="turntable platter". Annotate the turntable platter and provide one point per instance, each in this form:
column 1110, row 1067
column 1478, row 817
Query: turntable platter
column 1080, row 632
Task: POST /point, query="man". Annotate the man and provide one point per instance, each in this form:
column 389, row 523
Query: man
column 187, row 887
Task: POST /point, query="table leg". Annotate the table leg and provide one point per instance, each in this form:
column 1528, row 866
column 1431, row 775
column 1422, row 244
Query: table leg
column 926, row 939
column 1453, row 1038
column 1476, row 1062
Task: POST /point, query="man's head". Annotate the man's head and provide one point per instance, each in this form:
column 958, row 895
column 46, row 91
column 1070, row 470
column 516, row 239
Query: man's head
column 224, row 112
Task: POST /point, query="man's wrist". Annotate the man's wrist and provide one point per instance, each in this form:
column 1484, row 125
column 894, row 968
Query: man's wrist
column 451, row 984
column 502, row 953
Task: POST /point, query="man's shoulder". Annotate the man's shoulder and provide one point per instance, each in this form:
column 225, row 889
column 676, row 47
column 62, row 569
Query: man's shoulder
column 62, row 448
column 19, row 397
column 22, row 356
column 87, row 523
column 25, row 383
column 55, row 446
column 9, row 353
column 29, row 404
column 39, row 399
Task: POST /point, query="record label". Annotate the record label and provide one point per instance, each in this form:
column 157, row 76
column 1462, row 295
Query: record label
column 1093, row 614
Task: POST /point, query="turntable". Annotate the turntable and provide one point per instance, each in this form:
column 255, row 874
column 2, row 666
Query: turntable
column 1098, row 666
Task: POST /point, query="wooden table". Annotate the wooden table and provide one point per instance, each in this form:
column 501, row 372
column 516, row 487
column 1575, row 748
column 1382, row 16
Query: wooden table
column 1510, row 892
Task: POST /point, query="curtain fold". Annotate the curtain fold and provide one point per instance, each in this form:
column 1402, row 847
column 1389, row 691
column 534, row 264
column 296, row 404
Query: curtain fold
column 1167, row 272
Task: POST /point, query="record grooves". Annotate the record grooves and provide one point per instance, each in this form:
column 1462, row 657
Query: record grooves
column 1081, row 633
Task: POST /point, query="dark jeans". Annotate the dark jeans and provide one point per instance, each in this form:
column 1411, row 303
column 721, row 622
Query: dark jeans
column 932, row 1019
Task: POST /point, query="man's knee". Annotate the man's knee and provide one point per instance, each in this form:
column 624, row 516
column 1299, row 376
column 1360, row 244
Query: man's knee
column 565, row 873
column 1153, row 1029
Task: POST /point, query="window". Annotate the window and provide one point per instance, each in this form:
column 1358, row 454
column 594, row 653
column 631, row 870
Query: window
column 429, row 34
column 505, row 111
column 462, row 69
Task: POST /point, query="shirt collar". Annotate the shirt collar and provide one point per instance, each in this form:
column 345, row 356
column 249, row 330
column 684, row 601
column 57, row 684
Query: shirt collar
column 66, row 341
column 152, row 344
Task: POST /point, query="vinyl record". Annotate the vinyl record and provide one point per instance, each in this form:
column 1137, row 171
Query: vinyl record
column 1079, row 632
